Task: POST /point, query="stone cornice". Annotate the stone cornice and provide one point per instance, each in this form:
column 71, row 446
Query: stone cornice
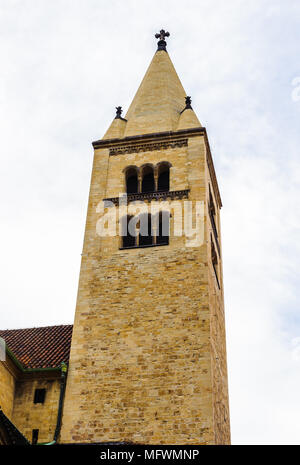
column 148, row 196
column 161, row 141
column 170, row 136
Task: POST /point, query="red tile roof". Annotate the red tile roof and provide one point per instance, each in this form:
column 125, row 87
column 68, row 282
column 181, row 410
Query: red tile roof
column 44, row 347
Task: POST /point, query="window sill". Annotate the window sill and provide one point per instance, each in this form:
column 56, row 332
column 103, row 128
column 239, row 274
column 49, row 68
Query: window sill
column 142, row 246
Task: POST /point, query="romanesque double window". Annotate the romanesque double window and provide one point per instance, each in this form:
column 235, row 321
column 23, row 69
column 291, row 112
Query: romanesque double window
column 148, row 178
column 146, row 230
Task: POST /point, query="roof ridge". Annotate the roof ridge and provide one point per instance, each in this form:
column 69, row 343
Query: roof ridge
column 36, row 327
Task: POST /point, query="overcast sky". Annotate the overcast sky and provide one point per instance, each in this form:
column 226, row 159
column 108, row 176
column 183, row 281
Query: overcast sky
column 65, row 65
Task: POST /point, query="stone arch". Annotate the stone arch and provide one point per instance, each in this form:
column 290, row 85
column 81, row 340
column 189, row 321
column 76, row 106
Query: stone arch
column 163, row 175
column 131, row 179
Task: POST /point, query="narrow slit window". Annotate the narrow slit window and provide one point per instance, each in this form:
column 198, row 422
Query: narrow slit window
column 214, row 259
column 35, row 436
column 212, row 213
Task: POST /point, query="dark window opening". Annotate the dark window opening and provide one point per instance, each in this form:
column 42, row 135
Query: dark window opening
column 39, row 396
column 146, row 236
column 35, row 436
column 129, row 240
column 148, row 184
column 163, row 228
column 212, row 212
column 131, row 181
column 213, row 217
column 163, row 183
column 214, row 258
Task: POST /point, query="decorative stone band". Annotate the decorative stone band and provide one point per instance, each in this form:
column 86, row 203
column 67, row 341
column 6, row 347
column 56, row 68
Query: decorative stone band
column 148, row 147
column 149, row 142
column 148, row 196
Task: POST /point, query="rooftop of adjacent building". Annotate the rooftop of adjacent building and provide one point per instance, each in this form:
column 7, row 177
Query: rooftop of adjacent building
column 42, row 347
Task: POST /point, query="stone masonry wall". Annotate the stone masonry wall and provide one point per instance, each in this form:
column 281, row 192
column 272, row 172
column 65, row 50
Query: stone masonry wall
column 141, row 369
column 218, row 334
column 28, row 416
column 141, row 355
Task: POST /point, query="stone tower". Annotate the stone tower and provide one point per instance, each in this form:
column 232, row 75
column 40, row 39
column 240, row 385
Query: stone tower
column 148, row 353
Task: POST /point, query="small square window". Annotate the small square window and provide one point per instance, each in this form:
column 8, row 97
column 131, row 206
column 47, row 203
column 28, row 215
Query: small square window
column 39, row 396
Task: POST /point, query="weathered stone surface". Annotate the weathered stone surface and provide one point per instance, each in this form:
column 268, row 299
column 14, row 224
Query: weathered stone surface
column 159, row 99
column 148, row 358
column 28, row 416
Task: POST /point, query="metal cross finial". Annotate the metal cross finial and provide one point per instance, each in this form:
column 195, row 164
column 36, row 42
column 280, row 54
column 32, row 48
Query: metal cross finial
column 161, row 35
column 119, row 112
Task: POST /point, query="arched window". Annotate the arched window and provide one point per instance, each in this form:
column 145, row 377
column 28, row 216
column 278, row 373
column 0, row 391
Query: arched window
column 163, row 228
column 128, row 236
column 146, row 236
column 131, row 180
column 163, row 182
column 148, row 179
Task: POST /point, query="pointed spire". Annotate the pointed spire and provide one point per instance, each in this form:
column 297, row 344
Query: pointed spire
column 188, row 118
column 158, row 104
column 117, row 127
